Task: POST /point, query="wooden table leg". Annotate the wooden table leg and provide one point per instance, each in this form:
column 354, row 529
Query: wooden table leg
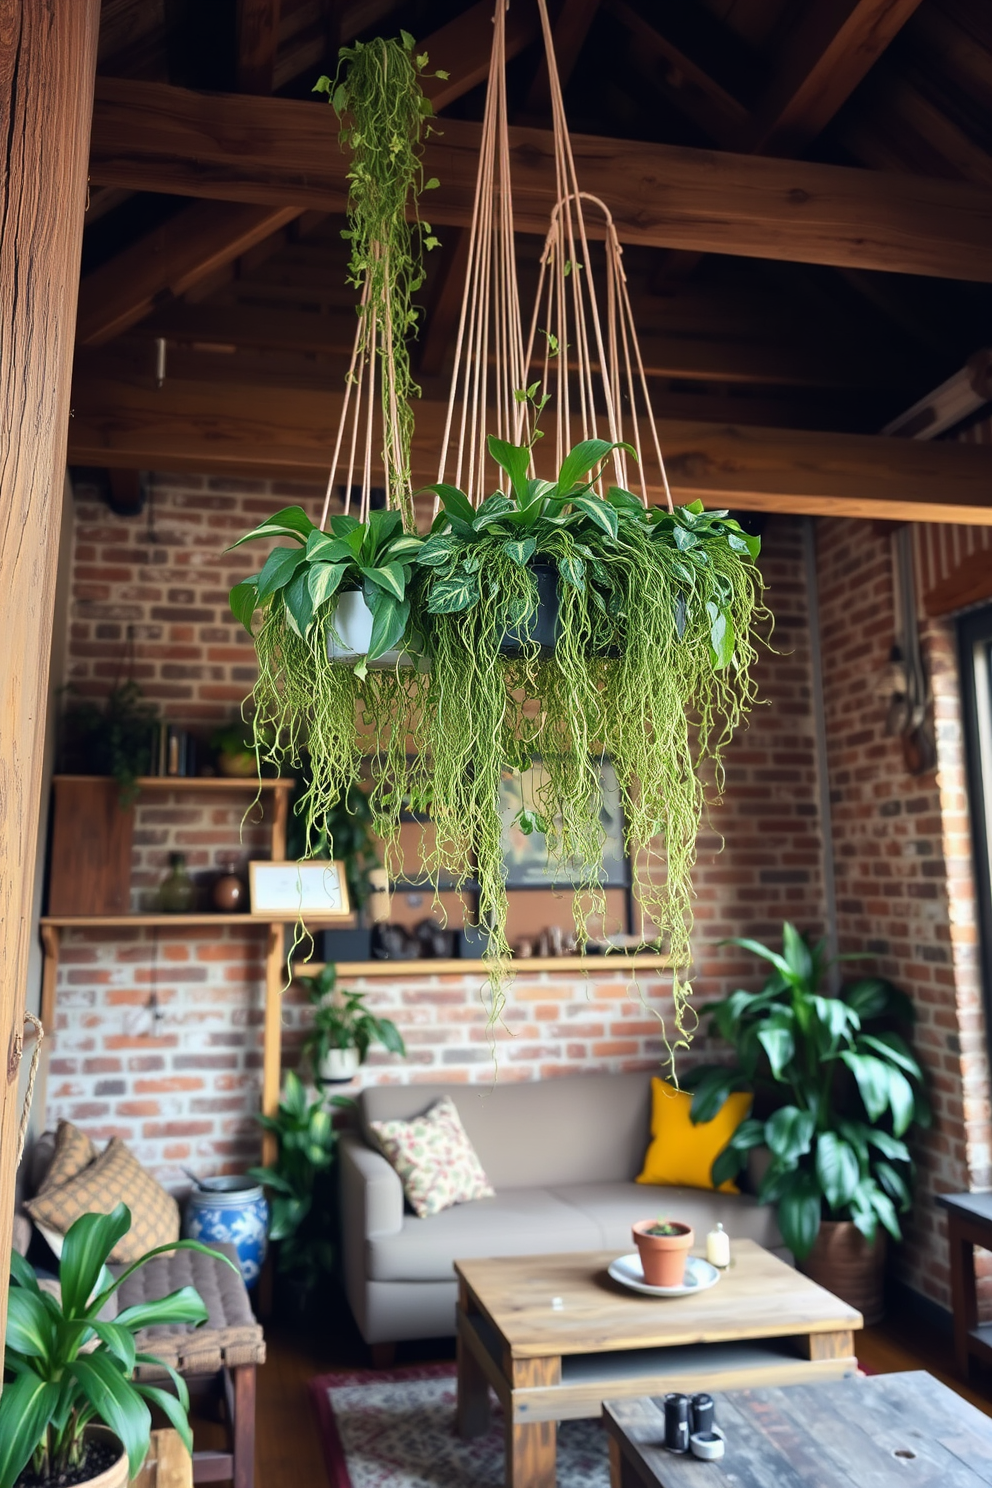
column 839, row 1345
column 531, row 1453
column 964, row 1295
column 473, row 1393
column 622, row 1471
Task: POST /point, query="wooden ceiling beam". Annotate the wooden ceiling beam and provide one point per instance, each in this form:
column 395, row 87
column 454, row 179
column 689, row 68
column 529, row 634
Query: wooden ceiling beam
column 821, row 62
column 258, row 42
column 278, row 431
column 154, row 137
column 462, row 49
column 186, row 250
column 568, row 34
column 762, row 361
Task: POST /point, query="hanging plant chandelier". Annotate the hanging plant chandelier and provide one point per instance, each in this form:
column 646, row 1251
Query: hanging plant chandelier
column 546, row 625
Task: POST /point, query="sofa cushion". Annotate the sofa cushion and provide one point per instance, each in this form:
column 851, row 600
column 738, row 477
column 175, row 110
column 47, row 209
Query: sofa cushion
column 614, row 1207
column 541, row 1133
column 517, row 1221
column 115, row 1177
column 682, row 1152
column 73, row 1152
column 434, row 1158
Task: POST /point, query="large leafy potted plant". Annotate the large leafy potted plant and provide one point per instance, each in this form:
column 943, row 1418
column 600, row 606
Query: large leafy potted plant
column 842, row 1090
column 645, row 657
column 71, row 1409
column 343, row 1029
column 302, row 1222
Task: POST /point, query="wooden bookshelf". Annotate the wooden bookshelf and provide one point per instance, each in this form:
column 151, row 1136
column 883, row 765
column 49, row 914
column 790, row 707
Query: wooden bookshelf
column 610, row 965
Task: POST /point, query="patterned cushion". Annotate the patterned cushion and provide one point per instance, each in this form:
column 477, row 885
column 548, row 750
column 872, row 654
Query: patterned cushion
column 434, row 1158
column 115, row 1177
column 73, row 1152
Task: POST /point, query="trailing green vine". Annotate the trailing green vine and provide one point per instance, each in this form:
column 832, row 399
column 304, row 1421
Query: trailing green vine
column 376, row 92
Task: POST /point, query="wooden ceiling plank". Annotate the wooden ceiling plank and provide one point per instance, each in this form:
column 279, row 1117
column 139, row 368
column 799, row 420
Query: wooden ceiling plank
column 462, row 49
column 189, row 248
column 821, row 62
column 258, row 42
column 569, row 33
column 279, row 151
column 221, row 427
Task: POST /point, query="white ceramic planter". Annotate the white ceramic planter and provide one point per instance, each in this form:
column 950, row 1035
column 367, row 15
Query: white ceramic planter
column 349, row 634
column 339, row 1066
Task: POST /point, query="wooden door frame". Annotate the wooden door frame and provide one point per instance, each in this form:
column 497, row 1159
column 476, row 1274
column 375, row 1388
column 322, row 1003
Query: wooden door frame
column 47, row 71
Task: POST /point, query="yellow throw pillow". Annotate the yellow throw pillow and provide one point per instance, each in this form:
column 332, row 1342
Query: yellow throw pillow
column 115, row 1177
column 681, row 1154
column 73, row 1152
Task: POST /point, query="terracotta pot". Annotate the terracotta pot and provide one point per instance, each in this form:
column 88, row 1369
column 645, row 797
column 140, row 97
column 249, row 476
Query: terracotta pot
column 117, row 1475
column 844, row 1263
column 663, row 1257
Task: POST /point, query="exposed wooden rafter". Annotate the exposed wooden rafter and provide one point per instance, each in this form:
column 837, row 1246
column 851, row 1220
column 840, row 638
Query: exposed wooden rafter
column 820, row 63
column 462, row 49
column 258, row 42
column 278, row 431
column 276, row 151
column 568, row 34
column 185, row 251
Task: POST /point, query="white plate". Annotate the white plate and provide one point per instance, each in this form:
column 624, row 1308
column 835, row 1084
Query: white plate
column 699, row 1275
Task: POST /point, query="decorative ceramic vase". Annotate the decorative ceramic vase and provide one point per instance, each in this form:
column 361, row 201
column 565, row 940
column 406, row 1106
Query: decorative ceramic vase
column 176, row 891
column 663, row 1257
column 230, row 1211
column 844, row 1263
column 338, row 1066
column 229, row 893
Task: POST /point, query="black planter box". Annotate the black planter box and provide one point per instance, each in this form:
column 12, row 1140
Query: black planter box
column 543, row 626
column 348, row 945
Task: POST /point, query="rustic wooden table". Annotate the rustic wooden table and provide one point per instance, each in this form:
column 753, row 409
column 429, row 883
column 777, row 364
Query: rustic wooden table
column 555, row 1337
column 854, row 1433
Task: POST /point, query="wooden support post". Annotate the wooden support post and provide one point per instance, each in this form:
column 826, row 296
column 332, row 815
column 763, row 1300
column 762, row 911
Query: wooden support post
column 51, row 940
column 47, row 67
column 272, row 1040
column 280, row 818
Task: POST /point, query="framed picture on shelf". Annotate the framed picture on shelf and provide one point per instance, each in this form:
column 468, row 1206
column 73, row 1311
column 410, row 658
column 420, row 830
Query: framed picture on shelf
column 283, row 891
column 526, row 857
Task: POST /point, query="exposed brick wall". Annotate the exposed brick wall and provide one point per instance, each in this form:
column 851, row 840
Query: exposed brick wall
column 184, row 1088
column 905, row 895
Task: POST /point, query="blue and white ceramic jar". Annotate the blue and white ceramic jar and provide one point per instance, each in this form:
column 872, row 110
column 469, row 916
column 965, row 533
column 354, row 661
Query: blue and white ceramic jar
column 230, row 1210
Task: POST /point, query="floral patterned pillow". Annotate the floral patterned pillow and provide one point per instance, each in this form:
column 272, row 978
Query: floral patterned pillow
column 434, row 1158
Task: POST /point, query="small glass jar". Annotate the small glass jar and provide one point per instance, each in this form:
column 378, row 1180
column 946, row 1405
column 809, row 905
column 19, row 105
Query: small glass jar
column 176, row 891
column 718, row 1247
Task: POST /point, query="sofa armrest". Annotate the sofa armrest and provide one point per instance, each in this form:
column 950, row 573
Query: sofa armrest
column 371, row 1191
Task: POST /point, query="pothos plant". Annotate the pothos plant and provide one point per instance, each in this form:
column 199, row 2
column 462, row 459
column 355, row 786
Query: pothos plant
column 840, row 1089
column 649, row 664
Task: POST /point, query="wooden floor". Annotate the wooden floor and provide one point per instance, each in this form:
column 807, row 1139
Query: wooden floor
column 288, row 1447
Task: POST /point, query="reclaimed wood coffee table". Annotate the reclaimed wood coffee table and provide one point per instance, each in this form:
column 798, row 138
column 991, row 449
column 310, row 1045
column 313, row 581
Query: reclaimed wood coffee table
column 892, row 1429
column 555, row 1337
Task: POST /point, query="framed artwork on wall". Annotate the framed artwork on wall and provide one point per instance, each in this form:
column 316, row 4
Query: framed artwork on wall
column 526, row 856
column 284, row 891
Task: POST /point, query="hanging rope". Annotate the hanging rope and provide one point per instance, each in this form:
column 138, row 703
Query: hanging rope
column 22, row 1130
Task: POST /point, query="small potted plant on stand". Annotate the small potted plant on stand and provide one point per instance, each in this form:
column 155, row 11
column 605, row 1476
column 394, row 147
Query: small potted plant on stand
column 843, row 1090
column 343, row 1030
column 72, row 1411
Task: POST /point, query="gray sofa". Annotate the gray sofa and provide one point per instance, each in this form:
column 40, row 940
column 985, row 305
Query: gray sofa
column 562, row 1156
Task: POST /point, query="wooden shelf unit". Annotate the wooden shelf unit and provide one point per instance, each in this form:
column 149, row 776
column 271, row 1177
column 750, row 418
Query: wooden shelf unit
column 53, row 925
column 619, row 961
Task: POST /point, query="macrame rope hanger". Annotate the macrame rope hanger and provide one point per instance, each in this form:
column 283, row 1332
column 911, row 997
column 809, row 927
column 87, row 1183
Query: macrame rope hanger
column 597, row 383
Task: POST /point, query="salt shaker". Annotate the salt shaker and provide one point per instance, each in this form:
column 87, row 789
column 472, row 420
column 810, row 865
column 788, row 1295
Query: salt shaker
column 718, row 1247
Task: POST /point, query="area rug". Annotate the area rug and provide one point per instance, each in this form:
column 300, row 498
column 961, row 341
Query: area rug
column 397, row 1427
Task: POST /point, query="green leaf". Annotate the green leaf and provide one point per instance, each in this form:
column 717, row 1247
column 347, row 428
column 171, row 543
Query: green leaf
column 292, row 521
column 722, row 635
column 789, row 1133
column 886, row 1211
column 712, row 1085
column 598, row 511
column 835, row 1016
column 573, row 571
column 278, row 569
column 390, row 577
column 26, row 1407
column 449, row 596
column 244, row 602
column 726, row 1166
column 580, row 460
column 799, row 1215
column 894, row 1184
column 324, row 580
column 872, row 1076
column 837, row 1168
column 299, row 604
column 171, row 1409
column 116, row 1403
column 404, row 548
column 88, row 1243
column 389, row 622
column 324, row 549
column 182, row 1306
column 521, row 550
column 892, row 1047
column 779, row 1044
column 30, row 1328
column 454, row 502
column 118, row 1340
column 515, row 460
column 437, row 551
column 888, row 1145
